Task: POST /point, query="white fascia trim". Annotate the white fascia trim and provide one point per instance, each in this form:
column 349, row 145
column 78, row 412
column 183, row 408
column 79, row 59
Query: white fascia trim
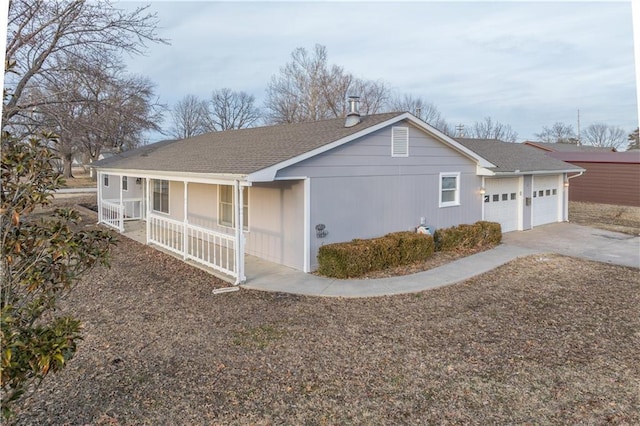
column 212, row 178
column 269, row 174
column 537, row 172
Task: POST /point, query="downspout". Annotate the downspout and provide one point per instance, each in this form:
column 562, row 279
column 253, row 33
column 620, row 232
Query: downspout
column 566, row 195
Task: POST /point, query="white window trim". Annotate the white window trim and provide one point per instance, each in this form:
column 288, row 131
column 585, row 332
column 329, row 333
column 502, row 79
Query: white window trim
column 125, row 179
column 456, row 201
column 245, row 216
column 153, row 191
column 105, row 180
column 401, row 132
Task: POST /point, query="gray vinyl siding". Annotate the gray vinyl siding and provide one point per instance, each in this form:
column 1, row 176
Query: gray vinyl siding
column 112, row 192
column 359, row 190
column 277, row 223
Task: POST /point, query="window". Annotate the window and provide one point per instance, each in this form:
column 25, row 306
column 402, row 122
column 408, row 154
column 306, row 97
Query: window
column 555, row 192
column 399, row 141
column 225, row 207
column 505, row 197
column 548, row 192
column 449, row 189
column 540, row 193
column 534, row 194
column 105, row 181
column 161, row 196
column 487, row 198
column 513, row 195
column 125, row 183
column 496, row 197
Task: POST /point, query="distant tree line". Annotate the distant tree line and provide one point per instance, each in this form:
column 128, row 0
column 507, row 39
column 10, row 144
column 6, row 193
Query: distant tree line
column 598, row 134
column 309, row 88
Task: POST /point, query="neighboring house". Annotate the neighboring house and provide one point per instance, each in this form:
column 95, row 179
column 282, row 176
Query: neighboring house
column 611, row 177
column 280, row 192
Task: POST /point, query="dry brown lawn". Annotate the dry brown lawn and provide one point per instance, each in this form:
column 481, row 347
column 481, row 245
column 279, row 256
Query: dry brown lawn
column 624, row 219
column 541, row 340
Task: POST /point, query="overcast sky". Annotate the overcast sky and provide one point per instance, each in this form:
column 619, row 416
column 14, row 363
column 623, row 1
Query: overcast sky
column 527, row 64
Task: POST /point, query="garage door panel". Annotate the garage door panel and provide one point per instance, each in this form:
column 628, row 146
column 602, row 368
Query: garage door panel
column 546, row 199
column 501, row 202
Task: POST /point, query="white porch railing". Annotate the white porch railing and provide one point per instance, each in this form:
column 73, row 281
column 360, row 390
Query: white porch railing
column 111, row 214
column 167, row 233
column 210, row 248
column 132, row 207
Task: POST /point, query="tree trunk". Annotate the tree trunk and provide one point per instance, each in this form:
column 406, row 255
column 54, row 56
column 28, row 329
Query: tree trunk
column 67, row 171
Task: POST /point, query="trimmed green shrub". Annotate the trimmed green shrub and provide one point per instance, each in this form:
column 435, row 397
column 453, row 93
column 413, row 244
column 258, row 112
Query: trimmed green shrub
column 464, row 237
column 356, row 258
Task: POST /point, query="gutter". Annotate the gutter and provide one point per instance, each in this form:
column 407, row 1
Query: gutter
column 540, row 172
column 575, row 176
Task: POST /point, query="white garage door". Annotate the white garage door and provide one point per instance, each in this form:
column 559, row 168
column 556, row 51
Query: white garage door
column 501, row 202
column 546, row 199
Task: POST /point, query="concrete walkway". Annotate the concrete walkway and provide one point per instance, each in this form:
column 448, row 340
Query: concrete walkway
column 77, row 190
column 266, row 276
column 562, row 238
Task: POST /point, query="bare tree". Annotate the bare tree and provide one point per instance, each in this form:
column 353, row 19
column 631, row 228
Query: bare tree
column 92, row 107
column 605, row 136
column 231, row 110
column 308, row 89
column 44, row 37
column 634, row 139
column 558, row 133
column 189, row 117
column 489, row 129
column 423, row 109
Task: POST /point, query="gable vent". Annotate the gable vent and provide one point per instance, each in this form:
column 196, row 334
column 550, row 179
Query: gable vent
column 399, row 141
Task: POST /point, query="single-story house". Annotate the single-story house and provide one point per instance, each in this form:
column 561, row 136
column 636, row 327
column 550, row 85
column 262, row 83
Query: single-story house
column 280, row 192
column 611, row 177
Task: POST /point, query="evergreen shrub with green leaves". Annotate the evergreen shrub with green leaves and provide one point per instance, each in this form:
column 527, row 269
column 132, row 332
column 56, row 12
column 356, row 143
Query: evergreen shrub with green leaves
column 43, row 256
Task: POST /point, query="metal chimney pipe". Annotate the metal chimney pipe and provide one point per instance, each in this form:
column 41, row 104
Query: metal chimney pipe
column 353, row 116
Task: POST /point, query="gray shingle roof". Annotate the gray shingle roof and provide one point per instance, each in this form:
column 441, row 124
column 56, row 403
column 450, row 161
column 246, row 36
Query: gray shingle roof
column 568, row 147
column 239, row 151
column 509, row 157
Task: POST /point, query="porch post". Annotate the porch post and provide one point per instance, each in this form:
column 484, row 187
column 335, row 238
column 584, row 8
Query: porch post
column 307, row 226
column 99, row 183
column 239, row 251
column 185, row 221
column 121, row 218
column 148, row 207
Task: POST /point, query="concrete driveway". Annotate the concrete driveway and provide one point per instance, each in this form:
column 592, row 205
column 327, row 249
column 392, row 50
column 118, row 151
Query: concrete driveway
column 579, row 241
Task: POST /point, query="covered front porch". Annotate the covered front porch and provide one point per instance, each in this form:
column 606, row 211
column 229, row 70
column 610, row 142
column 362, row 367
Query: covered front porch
column 256, row 269
column 179, row 216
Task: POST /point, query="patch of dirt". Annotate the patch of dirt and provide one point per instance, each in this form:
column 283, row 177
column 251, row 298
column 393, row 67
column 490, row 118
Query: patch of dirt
column 541, row 340
column 625, row 219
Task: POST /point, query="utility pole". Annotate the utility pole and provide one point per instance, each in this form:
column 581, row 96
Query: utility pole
column 579, row 127
column 460, row 130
